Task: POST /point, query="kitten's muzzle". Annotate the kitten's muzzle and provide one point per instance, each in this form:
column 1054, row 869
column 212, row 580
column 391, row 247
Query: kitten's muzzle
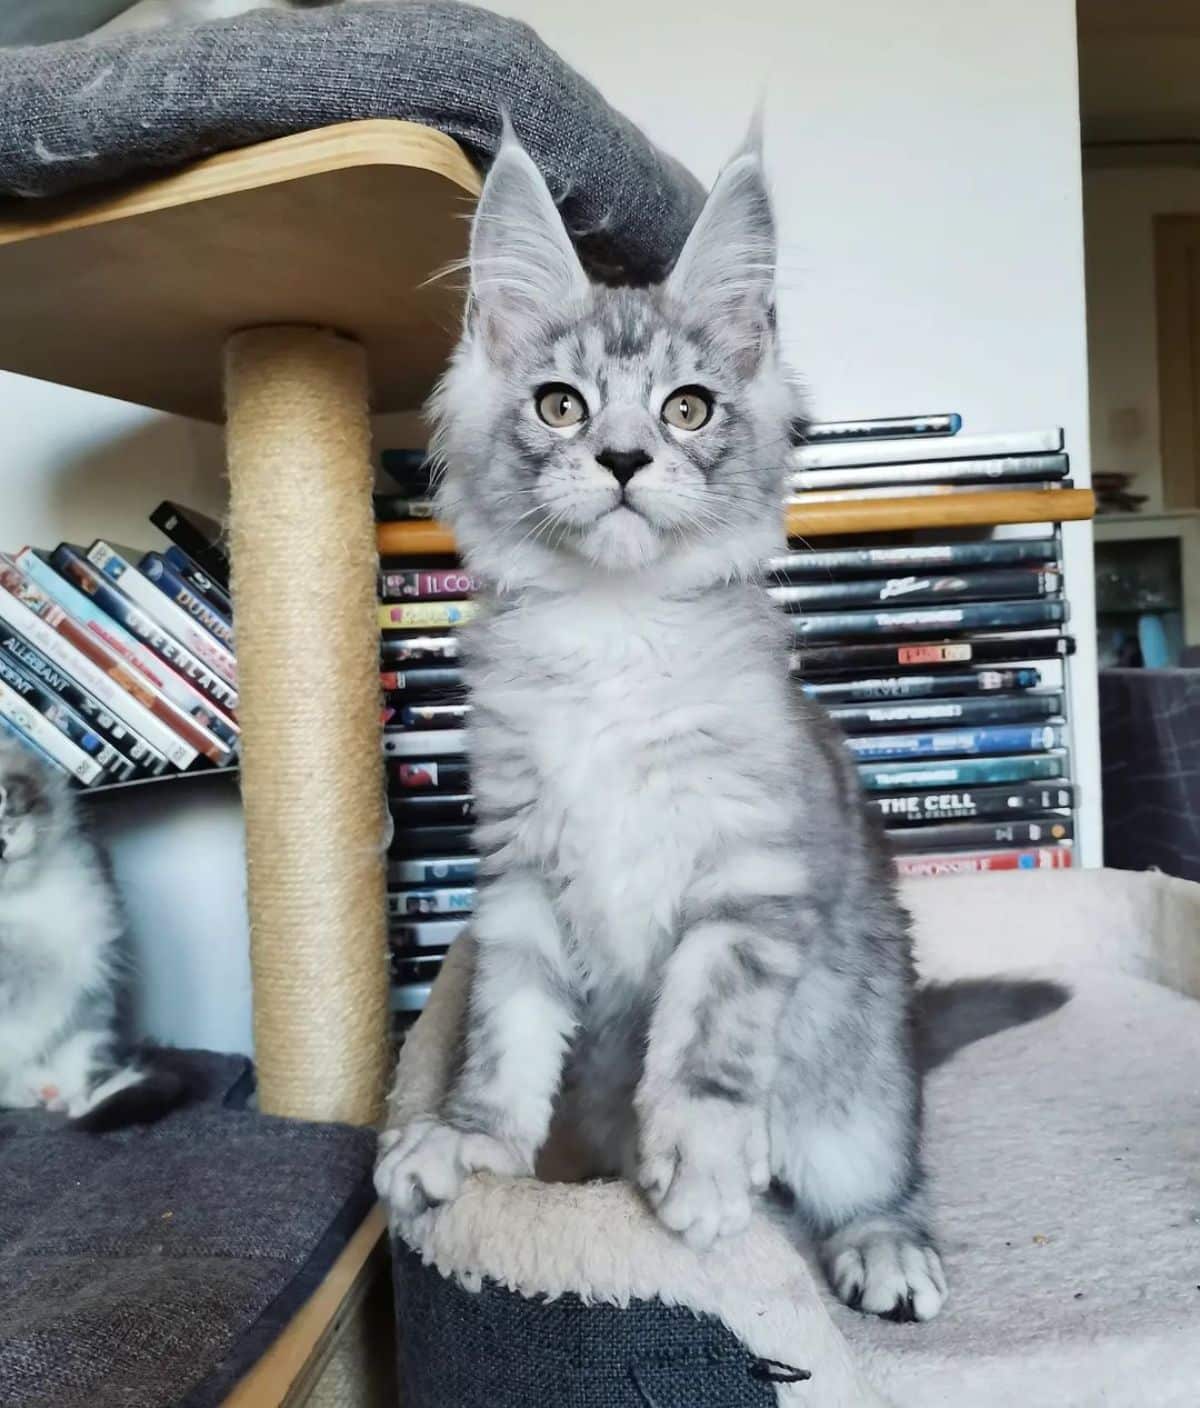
column 623, row 464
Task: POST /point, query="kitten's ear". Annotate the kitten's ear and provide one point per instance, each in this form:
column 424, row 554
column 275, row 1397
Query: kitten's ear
column 523, row 266
column 725, row 274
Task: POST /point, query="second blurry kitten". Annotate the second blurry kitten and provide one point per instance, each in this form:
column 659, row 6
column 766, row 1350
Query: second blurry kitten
column 61, row 981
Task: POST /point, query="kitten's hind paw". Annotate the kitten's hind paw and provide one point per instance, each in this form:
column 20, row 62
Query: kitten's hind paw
column 428, row 1162
column 883, row 1269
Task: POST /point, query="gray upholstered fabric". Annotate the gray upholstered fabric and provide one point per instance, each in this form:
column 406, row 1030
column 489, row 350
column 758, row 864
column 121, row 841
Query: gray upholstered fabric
column 1150, row 752
column 76, row 114
column 149, row 1268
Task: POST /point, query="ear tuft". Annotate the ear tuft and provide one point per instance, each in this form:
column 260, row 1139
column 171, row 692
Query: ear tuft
column 524, row 269
column 725, row 274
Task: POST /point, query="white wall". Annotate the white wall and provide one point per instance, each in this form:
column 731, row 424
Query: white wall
column 1119, row 211
column 925, row 161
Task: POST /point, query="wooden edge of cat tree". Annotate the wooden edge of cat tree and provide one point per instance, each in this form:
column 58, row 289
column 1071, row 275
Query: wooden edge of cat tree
column 899, row 514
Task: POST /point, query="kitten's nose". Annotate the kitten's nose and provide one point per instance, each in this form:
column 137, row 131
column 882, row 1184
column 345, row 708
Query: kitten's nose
column 623, row 464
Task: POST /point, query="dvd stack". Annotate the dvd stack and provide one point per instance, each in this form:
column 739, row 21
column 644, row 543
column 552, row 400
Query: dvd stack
column 117, row 672
column 431, row 865
column 943, row 654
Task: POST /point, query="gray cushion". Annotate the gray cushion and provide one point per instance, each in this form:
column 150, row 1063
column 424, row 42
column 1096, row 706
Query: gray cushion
column 150, row 1268
column 80, row 113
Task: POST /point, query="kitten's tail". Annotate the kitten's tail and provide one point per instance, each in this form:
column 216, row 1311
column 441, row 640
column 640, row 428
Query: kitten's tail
column 950, row 1016
column 142, row 1091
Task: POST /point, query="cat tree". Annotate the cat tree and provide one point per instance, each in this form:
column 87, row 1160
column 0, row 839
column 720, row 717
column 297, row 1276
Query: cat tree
column 285, row 288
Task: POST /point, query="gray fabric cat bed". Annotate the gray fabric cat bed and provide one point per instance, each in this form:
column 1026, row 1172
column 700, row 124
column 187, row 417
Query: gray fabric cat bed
column 80, row 113
column 1064, row 1158
column 150, row 1267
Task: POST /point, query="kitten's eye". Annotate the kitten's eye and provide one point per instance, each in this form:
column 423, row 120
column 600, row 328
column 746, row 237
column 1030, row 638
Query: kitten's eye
column 688, row 408
column 560, row 406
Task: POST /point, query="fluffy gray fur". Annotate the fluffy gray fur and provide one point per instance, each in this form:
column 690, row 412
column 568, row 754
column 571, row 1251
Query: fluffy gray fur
column 689, row 942
column 61, row 984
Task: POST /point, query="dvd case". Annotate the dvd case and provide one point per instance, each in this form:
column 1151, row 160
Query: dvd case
column 993, row 709
column 155, row 566
column 429, row 774
column 892, row 558
column 920, row 809
column 11, row 731
column 432, row 870
column 976, row 616
column 199, row 580
column 426, row 584
column 93, row 664
column 981, row 835
column 433, row 809
column 957, row 742
column 425, row 615
column 403, row 743
column 23, row 714
column 102, row 604
column 41, row 667
column 425, row 933
column 170, row 616
column 433, row 840
column 443, row 900
column 422, row 681
column 420, row 716
column 976, row 862
column 1007, row 469
column 997, row 648
column 1003, row 584
column 417, row 650
column 907, row 449
column 113, row 763
column 826, row 432
column 966, row 683
column 961, row 772
column 199, row 536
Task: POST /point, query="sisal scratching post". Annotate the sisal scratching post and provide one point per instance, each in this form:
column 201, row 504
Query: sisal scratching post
column 304, row 577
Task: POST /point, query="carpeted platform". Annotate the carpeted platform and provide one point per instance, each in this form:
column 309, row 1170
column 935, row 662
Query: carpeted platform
column 150, row 1268
column 81, row 112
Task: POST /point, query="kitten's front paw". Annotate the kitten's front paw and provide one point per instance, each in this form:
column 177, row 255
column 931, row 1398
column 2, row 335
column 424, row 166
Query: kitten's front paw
column 427, row 1163
column 702, row 1161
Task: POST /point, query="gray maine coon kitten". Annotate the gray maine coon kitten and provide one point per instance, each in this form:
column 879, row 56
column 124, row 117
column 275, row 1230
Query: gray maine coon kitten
column 688, row 937
column 61, row 976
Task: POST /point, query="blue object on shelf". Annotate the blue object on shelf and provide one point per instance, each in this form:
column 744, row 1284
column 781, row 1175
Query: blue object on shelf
column 1152, row 637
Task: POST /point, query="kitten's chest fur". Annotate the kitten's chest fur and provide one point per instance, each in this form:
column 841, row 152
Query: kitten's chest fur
column 633, row 723
column 56, row 943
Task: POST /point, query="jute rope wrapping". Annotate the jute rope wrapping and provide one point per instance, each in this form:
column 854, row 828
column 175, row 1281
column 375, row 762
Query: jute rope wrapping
column 304, row 582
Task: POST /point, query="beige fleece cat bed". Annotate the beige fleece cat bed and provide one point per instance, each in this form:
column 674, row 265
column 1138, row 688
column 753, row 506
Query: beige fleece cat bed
column 1065, row 1159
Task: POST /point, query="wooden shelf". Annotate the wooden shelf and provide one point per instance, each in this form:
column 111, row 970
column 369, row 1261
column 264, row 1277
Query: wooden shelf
column 290, row 1367
column 132, row 292
column 900, row 514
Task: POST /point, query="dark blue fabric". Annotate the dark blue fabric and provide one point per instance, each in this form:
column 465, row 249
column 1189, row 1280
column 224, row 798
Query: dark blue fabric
column 496, row 1349
column 1150, row 760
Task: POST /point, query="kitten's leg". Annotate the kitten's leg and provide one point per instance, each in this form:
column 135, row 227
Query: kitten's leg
column 701, row 1103
column 496, row 1115
column 845, row 1138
